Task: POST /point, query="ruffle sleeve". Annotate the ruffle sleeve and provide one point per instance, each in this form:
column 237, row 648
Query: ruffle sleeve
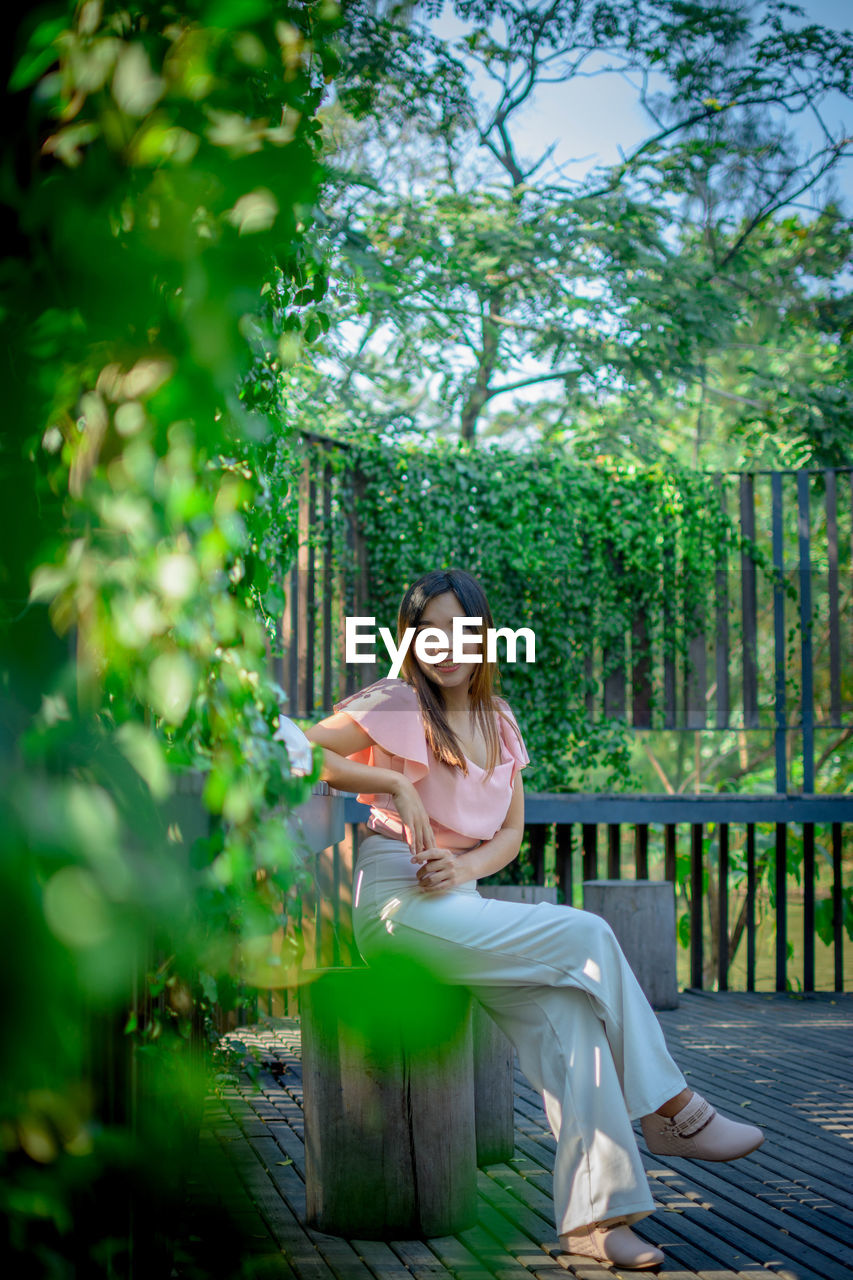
column 511, row 738
column 389, row 712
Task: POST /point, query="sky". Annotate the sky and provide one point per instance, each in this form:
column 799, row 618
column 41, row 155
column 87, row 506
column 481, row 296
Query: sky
column 589, row 119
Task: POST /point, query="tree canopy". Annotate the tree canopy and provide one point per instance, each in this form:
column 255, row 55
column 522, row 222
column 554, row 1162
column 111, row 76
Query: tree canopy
column 690, row 302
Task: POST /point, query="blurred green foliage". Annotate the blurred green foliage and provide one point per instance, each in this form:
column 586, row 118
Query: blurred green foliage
column 159, row 175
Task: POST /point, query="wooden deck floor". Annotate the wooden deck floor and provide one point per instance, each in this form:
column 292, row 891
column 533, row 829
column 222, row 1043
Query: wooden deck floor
column 787, row 1210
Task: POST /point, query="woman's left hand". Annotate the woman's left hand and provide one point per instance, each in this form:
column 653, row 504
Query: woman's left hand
column 440, row 870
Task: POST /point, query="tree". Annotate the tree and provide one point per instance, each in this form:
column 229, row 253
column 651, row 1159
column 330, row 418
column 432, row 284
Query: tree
column 486, row 290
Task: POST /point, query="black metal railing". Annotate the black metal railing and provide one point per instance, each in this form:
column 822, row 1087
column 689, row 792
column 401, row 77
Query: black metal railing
column 720, row 851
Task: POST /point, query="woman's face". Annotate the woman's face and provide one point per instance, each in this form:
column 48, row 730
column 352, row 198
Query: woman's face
column 439, row 615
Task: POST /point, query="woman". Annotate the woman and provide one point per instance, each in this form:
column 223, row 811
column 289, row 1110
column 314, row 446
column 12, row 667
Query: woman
column 438, row 758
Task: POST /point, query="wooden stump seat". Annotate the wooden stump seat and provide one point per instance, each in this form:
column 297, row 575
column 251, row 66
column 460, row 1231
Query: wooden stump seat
column 388, row 1075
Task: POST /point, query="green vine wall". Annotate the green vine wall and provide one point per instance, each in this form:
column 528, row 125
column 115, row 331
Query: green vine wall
column 576, row 554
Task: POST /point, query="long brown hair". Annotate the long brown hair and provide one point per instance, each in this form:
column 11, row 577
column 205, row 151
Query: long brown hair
column 441, row 739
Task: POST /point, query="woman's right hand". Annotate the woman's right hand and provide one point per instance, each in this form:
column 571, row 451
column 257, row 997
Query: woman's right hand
column 413, row 816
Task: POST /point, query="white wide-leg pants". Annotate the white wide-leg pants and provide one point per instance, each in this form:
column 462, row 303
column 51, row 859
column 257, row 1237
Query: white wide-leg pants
column 557, row 983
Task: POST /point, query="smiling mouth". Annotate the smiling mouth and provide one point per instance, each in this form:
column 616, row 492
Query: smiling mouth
column 453, row 666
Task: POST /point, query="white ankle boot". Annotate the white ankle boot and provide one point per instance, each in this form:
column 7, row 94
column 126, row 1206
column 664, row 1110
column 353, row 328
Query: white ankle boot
column 613, row 1243
column 700, row 1133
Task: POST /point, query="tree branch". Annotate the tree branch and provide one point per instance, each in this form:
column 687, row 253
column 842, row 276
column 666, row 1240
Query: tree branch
column 562, row 375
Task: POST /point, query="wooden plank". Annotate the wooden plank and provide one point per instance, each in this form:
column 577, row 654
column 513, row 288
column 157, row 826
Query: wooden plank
column 696, row 939
column 721, row 608
column 779, row 691
column 271, row 1208
column 420, row 1259
column 464, row 1264
column 806, row 622
column 766, row 1223
column 776, row 1114
column 753, row 1179
column 381, row 1259
column 749, row 604
column 831, row 501
column 754, row 1232
column 785, row 1209
column 721, row 1234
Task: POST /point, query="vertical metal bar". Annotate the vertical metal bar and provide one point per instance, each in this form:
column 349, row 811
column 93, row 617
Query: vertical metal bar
column 723, row 910
column 669, row 852
column 808, row 906
column 779, row 633
column 614, row 851
column 564, row 860
column 806, row 628
column 614, row 659
column 336, row 904
column 670, row 700
column 318, row 912
column 832, row 585
column 750, row 906
column 696, row 692
column 362, row 585
column 590, row 851
column 293, row 644
column 837, row 908
column 309, row 669
column 589, row 677
column 721, row 601
column 641, row 850
column 614, row 680
column 641, row 672
column 348, row 607
column 302, row 617
column 781, row 906
column 749, row 604
column 282, row 624
column 696, row 898
column 538, row 835
column 328, row 578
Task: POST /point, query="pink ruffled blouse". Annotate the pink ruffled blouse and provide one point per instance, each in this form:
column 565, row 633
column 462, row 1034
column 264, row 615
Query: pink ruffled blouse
column 462, row 810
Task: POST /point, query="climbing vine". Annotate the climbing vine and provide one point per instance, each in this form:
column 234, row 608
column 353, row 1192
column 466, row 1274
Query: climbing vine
column 607, row 564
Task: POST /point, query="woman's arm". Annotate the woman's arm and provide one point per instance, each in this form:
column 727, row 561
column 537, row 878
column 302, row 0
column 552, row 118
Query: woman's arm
column 444, row 868
column 340, row 736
